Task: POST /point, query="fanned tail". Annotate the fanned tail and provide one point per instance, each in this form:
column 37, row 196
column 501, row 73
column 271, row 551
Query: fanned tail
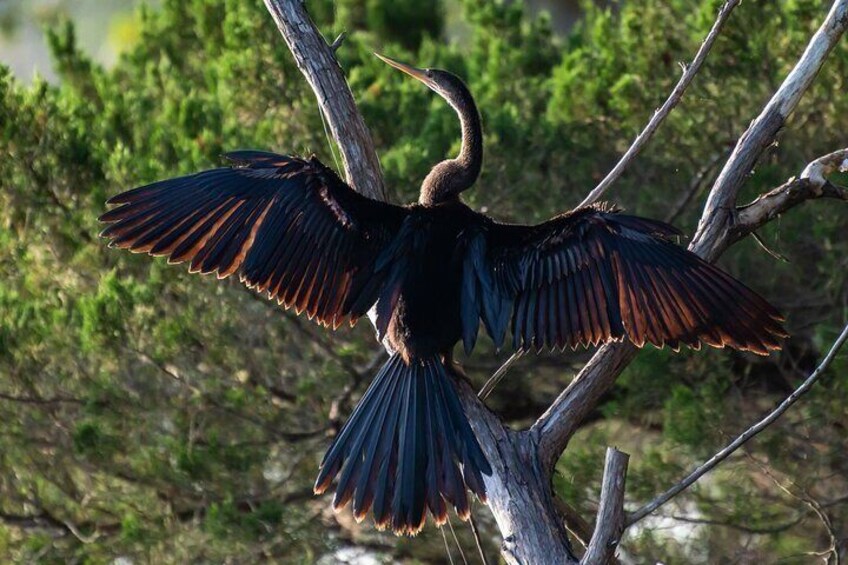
column 406, row 448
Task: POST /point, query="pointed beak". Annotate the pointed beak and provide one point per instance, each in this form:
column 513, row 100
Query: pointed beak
column 414, row 72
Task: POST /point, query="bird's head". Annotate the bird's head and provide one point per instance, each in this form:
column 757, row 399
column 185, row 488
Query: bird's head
column 445, row 84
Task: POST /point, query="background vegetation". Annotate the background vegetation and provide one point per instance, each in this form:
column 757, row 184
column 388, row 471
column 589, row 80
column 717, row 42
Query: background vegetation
column 155, row 416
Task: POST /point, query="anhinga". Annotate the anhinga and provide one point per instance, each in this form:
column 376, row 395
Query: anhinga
column 293, row 230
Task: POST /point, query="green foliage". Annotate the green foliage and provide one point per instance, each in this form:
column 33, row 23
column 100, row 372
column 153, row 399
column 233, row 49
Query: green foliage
column 175, row 419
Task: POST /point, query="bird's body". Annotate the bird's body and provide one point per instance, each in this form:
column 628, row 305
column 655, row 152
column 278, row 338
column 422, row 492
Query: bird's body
column 432, row 272
column 426, row 319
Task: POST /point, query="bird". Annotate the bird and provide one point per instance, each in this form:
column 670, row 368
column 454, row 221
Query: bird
column 432, row 273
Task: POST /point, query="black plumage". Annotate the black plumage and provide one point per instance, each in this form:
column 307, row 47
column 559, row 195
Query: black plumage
column 435, row 270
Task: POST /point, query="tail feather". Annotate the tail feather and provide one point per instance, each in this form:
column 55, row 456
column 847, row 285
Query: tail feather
column 406, row 449
column 353, row 474
column 379, row 443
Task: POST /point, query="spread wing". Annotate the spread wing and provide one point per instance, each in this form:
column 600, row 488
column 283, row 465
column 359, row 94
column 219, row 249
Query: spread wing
column 288, row 226
column 595, row 275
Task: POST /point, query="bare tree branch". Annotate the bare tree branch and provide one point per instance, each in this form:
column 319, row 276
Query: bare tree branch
column 498, row 375
column 317, row 61
column 811, row 184
column 659, row 115
column 814, row 505
column 610, row 522
column 720, row 210
column 40, row 400
column 555, row 427
column 757, row 530
column 32, row 521
column 720, row 456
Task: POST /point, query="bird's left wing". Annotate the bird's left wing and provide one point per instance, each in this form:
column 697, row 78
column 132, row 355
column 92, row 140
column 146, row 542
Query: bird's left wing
column 594, row 275
column 288, row 226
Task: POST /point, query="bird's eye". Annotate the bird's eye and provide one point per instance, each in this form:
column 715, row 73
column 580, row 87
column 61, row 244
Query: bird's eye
column 429, row 73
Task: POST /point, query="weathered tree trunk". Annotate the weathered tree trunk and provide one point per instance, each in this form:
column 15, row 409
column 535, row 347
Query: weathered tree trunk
column 519, row 490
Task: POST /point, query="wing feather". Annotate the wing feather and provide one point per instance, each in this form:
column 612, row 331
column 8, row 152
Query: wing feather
column 596, row 275
column 288, row 226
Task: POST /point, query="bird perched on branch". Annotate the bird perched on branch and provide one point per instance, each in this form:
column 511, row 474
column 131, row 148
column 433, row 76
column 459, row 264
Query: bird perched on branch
column 433, row 271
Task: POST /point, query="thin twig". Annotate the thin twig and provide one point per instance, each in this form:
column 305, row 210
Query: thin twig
column 664, row 110
column 447, row 548
column 40, row 400
column 810, row 502
column 756, row 530
column 764, row 247
column 337, row 42
column 711, row 463
column 456, row 541
column 574, row 522
column 496, row 377
column 477, row 539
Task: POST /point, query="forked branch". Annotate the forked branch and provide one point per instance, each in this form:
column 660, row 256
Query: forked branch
column 720, row 210
column 811, row 184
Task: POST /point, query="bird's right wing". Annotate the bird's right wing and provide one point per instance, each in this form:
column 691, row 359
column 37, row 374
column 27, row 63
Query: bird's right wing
column 594, row 275
column 289, row 226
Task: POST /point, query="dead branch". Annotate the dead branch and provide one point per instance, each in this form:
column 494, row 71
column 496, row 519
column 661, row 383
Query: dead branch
column 555, row 427
column 610, row 522
column 317, row 61
column 720, row 211
column 826, row 165
column 740, row 440
column 831, row 554
column 673, row 99
column 755, row 530
column 40, row 400
column 811, row 184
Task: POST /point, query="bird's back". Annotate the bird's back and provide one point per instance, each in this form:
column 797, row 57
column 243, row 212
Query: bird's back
column 425, row 319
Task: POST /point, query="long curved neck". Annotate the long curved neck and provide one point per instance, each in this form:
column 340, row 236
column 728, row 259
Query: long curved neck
column 449, row 178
